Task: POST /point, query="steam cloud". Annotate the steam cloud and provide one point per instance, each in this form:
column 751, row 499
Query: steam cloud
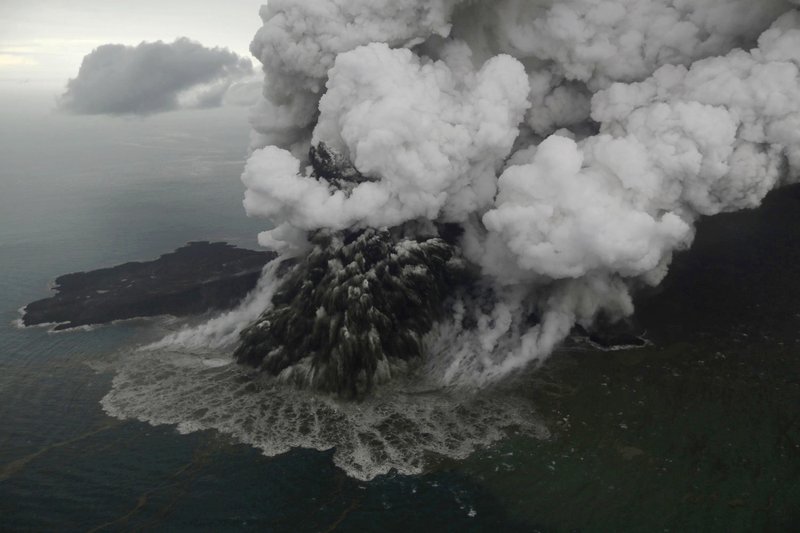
column 576, row 142
column 155, row 77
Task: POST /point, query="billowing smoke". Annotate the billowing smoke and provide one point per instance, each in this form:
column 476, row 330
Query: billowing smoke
column 574, row 142
column 155, row 77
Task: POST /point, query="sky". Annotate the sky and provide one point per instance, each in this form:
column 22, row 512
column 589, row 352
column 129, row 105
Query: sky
column 42, row 42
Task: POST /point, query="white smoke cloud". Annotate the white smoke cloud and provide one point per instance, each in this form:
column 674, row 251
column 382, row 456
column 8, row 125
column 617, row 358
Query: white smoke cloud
column 562, row 221
column 153, row 77
column 432, row 135
column 300, row 41
column 576, row 141
column 685, row 142
column 601, row 42
column 577, row 47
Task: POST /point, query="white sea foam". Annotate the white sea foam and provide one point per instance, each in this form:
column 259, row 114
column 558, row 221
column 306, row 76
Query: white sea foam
column 84, row 327
column 18, row 323
column 400, row 428
column 620, row 347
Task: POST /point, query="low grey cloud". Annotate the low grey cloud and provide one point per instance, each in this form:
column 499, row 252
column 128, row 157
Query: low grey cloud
column 153, row 77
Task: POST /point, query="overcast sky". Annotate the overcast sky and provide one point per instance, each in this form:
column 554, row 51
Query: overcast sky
column 42, row 42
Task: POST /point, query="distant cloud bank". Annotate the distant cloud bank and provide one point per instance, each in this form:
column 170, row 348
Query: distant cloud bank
column 154, row 77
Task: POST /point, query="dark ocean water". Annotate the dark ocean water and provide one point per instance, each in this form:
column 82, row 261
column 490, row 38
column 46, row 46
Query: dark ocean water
column 698, row 432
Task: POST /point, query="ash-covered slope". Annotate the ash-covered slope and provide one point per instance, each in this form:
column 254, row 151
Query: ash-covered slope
column 193, row 279
column 358, row 303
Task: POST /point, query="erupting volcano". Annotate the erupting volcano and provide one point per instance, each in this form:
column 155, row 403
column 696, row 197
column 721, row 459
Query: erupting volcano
column 497, row 171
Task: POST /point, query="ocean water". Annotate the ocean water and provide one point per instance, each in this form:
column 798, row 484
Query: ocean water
column 698, row 432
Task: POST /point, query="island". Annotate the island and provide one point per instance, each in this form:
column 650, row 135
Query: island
column 196, row 278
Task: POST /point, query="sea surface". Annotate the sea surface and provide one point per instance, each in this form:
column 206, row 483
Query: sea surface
column 700, row 431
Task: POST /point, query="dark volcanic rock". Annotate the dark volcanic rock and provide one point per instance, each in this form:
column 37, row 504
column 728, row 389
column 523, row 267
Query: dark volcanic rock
column 191, row 280
column 608, row 334
column 359, row 302
column 334, row 168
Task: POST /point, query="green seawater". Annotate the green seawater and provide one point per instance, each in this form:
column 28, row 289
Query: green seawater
column 698, row 432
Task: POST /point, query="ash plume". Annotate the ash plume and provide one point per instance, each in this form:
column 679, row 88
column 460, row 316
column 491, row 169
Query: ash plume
column 574, row 144
column 154, row 77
